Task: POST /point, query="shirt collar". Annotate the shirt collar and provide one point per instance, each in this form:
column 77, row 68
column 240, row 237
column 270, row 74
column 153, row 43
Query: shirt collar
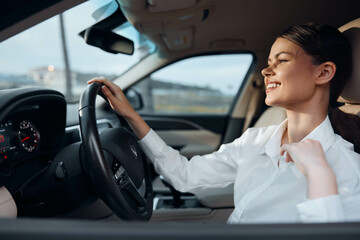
column 272, row 147
column 323, row 133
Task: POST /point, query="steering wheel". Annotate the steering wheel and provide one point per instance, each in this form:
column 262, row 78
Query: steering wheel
column 114, row 162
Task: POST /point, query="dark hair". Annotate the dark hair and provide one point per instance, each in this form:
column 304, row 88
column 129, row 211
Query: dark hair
column 325, row 43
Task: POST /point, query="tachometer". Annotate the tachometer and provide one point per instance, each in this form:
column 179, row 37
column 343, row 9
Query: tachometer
column 29, row 136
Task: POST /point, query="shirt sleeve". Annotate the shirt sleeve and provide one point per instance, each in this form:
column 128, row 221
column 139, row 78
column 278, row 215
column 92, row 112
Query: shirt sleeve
column 325, row 209
column 345, row 205
column 351, row 208
column 208, row 171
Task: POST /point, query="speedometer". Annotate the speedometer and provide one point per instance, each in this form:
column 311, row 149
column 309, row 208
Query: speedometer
column 29, row 136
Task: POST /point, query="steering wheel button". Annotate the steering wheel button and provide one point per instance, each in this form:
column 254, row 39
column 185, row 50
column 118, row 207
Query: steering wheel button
column 124, row 175
column 60, row 171
column 117, row 175
column 120, row 181
column 115, row 166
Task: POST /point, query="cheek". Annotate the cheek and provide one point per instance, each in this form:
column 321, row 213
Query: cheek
column 289, row 73
column 296, row 91
column 296, row 80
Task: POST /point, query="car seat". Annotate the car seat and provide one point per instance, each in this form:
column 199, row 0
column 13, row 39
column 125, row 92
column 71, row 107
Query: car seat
column 271, row 116
column 351, row 93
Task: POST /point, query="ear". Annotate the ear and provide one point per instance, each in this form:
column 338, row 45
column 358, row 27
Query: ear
column 326, row 73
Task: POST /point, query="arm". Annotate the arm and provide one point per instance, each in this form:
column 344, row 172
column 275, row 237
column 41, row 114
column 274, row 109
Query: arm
column 212, row 170
column 121, row 106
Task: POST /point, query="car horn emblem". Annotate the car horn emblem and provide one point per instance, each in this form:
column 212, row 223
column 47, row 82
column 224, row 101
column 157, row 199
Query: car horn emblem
column 133, row 149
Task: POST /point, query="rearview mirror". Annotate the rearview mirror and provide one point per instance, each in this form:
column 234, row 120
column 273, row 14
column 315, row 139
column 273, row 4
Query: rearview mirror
column 108, row 41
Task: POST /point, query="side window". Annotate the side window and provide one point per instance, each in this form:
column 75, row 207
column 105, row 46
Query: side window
column 196, row 85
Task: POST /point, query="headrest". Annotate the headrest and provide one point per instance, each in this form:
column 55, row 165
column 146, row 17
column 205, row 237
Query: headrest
column 351, row 92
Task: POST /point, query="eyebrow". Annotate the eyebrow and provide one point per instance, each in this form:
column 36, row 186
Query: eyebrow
column 278, row 54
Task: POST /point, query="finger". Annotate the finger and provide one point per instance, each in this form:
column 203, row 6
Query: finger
column 284, row 150
column 97, row 79
column 108, row 83
column 288, row 157
column 108, row 94
column 115, row 89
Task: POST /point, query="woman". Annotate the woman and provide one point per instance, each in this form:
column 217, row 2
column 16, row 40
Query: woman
column 297, row 171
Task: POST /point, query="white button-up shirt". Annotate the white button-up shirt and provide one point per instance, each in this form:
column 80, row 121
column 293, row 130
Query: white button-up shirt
column 266, row 189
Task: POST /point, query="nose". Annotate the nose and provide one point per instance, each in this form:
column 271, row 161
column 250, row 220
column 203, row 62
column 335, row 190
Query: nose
column 267, row 72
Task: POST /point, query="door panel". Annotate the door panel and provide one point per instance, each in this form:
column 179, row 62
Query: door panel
column 191, row 142
column 186, row 135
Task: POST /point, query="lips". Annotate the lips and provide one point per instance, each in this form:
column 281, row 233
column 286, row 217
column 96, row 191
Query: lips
column 272, row 86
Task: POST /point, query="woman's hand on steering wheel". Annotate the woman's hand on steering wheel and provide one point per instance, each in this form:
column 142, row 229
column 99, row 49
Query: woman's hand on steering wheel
column 122, row 107
column 115, row 96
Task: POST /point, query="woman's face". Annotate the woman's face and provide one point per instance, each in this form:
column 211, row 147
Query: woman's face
column 290, row 75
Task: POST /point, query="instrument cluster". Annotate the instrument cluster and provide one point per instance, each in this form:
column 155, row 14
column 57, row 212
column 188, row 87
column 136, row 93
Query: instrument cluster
column 17, row 138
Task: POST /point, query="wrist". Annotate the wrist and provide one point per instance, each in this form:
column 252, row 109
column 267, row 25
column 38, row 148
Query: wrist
column 131, row 116
column 321, row 182
column 137, row 124
column 319, row 170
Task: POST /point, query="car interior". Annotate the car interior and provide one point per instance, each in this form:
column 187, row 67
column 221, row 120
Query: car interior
column 70, row 167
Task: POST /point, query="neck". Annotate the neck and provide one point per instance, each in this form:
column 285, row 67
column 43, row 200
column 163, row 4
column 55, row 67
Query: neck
column 304, row 116
column 300, row 124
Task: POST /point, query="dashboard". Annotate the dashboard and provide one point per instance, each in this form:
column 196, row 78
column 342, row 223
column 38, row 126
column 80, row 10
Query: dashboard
column 40, row 151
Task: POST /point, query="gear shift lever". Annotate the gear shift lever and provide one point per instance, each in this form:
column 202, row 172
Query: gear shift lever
column 175, row 194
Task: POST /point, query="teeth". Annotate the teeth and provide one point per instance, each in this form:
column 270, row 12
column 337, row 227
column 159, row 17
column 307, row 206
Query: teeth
column 273, row 85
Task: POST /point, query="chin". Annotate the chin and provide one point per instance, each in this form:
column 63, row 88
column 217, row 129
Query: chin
column 273, row 103
column 269, row 102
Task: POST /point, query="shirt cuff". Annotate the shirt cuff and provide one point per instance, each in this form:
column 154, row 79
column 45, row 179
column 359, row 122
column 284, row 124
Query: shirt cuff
column 325, row 209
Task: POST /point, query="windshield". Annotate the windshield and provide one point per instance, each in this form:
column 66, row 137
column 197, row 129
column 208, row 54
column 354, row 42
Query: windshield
column 41, row 55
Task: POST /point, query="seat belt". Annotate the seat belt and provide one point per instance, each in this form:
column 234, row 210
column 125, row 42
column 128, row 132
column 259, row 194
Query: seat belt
column 257, row 88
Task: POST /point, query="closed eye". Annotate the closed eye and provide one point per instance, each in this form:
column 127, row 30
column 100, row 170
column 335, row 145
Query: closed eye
column 282, row 60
